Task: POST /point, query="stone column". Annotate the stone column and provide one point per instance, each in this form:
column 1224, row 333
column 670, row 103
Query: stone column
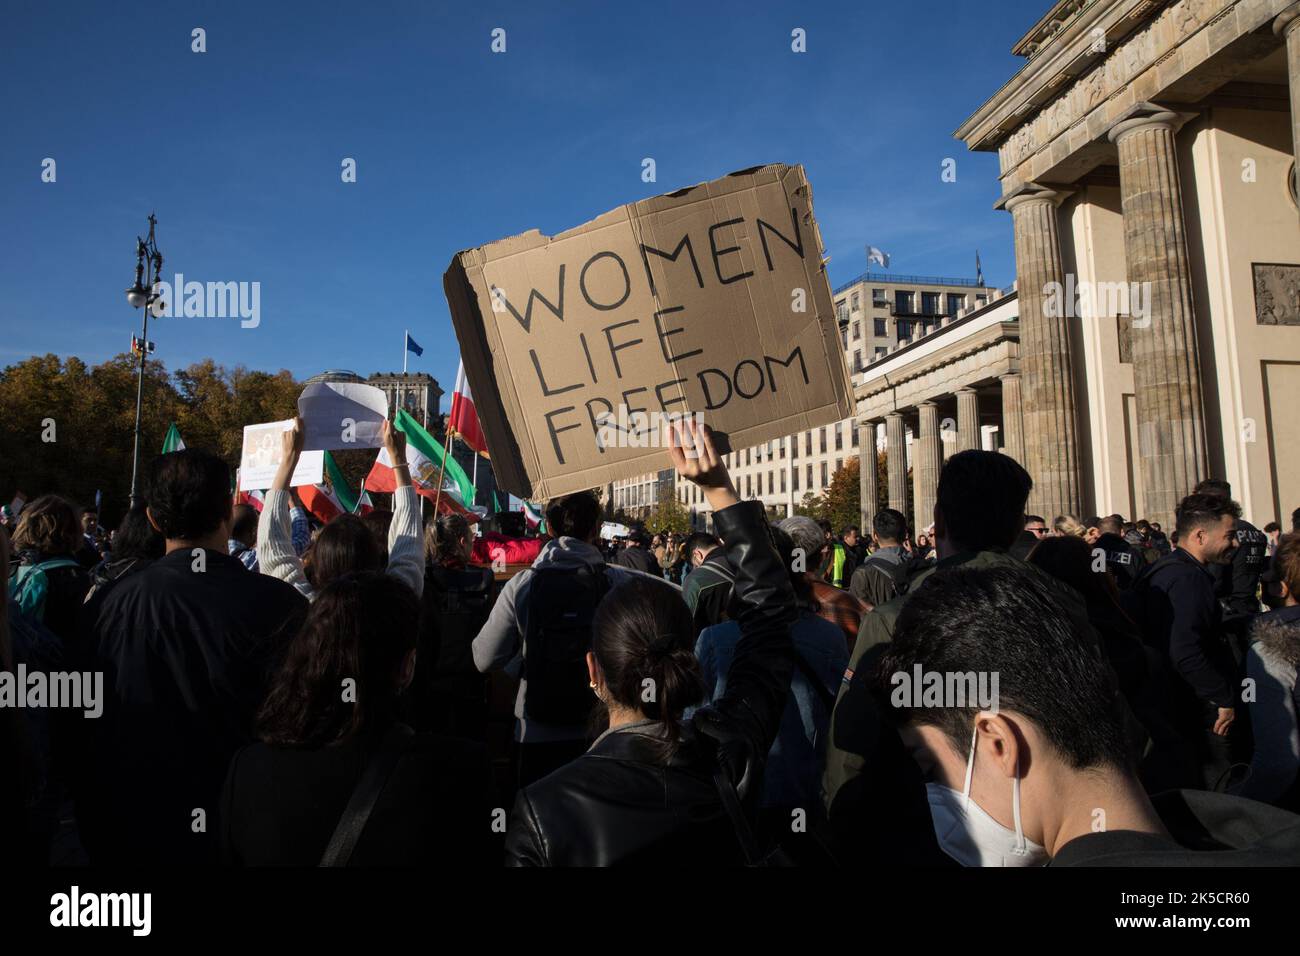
column 896, row 450
column 1049, row 422
column 1287, row 26
column 968, row 419
column 1013, row 435
column 925, row 464
column 867, row 473
column 1166, row 366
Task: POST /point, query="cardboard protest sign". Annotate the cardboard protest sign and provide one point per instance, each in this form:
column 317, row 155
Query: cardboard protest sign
column 342, row 415
column 710, row 301
column 262, row 455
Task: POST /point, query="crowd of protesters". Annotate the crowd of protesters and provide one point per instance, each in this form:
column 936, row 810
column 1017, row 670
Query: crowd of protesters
column 278, row 693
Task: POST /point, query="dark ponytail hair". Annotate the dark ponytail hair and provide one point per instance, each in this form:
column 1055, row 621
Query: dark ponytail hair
column 643, row 632
column 444, row 539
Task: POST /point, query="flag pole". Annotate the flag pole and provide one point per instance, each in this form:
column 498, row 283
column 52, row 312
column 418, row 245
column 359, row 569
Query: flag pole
column 446, row 453
column 406, row 339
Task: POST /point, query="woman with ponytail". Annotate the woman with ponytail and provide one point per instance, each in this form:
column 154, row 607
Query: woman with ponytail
column 655, row 789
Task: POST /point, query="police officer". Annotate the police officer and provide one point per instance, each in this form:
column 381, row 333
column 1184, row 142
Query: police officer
column 1123, row 561
column 1236, row 585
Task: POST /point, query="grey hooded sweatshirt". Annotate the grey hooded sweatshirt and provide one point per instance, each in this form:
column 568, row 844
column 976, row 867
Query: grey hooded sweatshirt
column 499, row 644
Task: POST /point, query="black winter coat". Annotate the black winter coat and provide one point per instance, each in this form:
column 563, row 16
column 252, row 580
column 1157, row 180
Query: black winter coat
column 617, row 804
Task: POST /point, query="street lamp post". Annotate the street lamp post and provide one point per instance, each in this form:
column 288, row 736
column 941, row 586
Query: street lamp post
column 144, row 296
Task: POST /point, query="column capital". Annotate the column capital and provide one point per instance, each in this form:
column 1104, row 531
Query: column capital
column 928, row 403
column 1287, row 20
column 1006, row 375
column 965, row 388
column 1146, row 115
column 896, row 413
column 1026, row 193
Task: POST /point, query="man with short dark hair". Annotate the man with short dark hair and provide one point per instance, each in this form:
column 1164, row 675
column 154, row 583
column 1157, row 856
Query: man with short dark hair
column 707, row 591
column 1017, row 772
column 1237, row 584
column 1175, row 606
column 979, row 511
column 186, row 646
column 883, row 576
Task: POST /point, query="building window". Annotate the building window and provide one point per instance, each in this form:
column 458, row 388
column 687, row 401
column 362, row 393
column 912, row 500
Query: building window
column 780, row 448
column 807, row 447
column 955, row 303
column 839, row 437
column 879, row 299
column 930, row 303
column 854, row 426
column 794, row 447
column 749, row 486
column 880, row 328
column 810, row 477
column 904, row 329
column 783, row 481
column 857, row 303
column 902, row 302
column 759, row 482
column 857, row 361
column 844, row 336
column 821, row 432
column 794, row 479
column 841, row 311
column 825, row 482
column 881, row 351
column 981, row 300
column 857, row 330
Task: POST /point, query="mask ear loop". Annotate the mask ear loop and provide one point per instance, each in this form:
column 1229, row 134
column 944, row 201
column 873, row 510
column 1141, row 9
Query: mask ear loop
column 1015, row 809
column 970, row 768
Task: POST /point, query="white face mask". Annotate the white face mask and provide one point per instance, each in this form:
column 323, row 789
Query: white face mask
column 970, row 836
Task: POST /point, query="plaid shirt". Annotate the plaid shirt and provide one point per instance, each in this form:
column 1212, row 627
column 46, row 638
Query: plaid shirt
column 841, row 608
column 299, row 532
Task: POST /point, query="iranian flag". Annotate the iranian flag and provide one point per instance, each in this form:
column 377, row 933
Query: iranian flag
column 425, row 457
column 173, row 440
column 332, row 497
column 534, row 518
column 253, row 499
column 463, row 419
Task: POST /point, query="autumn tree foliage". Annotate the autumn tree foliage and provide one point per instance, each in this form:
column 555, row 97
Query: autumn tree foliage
column 69, row 428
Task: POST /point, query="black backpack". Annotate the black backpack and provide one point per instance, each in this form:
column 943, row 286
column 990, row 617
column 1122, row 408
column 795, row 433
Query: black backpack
column 561, row 605
column 898, row 573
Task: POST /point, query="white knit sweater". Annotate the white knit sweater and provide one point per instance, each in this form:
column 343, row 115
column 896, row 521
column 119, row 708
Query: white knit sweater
column 276, row 556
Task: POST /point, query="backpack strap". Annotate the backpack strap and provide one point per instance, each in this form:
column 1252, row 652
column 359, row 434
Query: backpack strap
column 365, row 795
column 736, row 814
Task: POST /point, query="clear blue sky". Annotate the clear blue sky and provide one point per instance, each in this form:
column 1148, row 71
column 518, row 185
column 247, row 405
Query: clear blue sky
column 238, row 150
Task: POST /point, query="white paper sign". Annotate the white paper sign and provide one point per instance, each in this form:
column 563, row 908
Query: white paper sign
column 342, row 415
column 263, row 453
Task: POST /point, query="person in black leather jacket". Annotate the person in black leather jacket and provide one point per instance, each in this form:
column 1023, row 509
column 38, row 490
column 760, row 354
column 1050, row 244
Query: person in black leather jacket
column 645, row 793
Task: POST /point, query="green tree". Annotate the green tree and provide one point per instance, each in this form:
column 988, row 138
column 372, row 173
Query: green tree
column 669, row 515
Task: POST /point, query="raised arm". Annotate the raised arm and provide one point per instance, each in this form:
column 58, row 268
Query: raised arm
column 744, row 721
column 276, row 554
column 405, row 539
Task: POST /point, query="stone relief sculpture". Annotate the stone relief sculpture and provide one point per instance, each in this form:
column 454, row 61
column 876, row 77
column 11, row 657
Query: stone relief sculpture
column 1277, row 293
